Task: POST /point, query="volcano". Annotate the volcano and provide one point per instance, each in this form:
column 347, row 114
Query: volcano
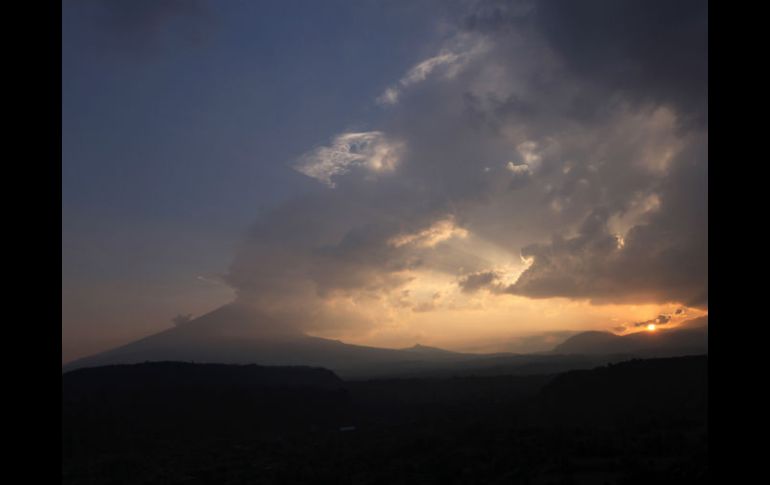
column 233, row 335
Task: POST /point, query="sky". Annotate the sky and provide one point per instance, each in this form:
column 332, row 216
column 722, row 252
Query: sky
column 471, row 174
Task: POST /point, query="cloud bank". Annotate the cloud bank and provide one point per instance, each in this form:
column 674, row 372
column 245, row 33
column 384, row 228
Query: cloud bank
column 550, row 149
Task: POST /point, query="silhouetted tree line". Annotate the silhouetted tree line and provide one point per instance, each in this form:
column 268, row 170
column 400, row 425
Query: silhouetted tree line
column 641, row 421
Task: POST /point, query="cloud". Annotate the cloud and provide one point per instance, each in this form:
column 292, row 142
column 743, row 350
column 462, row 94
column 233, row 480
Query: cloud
column 659, row 320
column 213, row 279
column 370, row 150
column 662, row 259
column 672, row 319
column 635, row 101
column 450, row 61
column 646, row 50
column 429, row 305
column 437, row 232
column 338, row 258
column 519, row 170
column 489, row 280
column 589, row 163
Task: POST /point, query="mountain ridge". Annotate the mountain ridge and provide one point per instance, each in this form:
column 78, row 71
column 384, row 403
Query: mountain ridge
column 691, row 336
column 232, row 335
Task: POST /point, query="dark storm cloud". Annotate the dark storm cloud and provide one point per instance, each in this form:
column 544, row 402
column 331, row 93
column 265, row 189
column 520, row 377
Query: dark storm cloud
column 648, row 50
column 649, row 54
column 477, row 281
column 664, row 259
column 651, row 50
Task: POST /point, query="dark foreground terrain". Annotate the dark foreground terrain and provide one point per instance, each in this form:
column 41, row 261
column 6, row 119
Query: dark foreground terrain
column 636, row 422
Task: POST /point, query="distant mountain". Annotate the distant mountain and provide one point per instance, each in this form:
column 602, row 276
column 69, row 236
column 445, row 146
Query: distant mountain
column 690, row 338
column 435, row 352
column 592, row 342
column 233, row 335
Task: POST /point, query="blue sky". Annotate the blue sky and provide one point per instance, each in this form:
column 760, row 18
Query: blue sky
column 174, row 137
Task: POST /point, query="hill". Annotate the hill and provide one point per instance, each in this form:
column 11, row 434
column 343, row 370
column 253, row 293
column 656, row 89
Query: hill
column 177, row 376
column 689, row 339
column 641, row 421
column 635, row 391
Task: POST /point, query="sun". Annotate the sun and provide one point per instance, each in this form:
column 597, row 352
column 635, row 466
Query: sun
column 651, row 327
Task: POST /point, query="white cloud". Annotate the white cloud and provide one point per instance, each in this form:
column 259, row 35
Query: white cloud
column 520, row 169
column 371, row 150
column 439, row 231
column 451, row 60
column 529, row 153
